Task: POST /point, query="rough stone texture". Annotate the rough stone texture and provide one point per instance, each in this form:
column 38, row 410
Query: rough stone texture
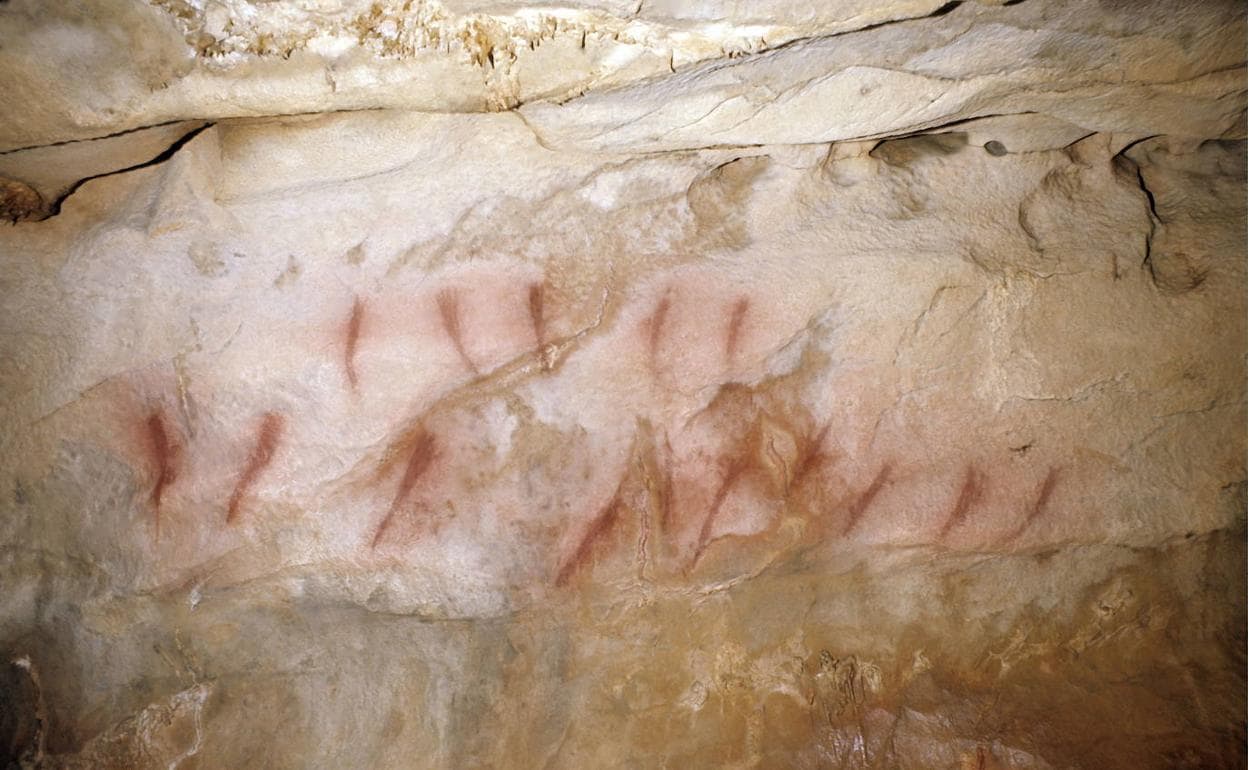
column 867, row 392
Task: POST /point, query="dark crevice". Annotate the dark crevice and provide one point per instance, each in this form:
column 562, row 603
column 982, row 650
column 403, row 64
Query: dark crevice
column 1152, row 202
column 714, row 64
column 1172, row 271
column 95, row 138
column 941, row 11
column 1134, row 171
column 1152, row 223
column 249, row 118
column 950, row 127
column 1072, row 143
column 166, row 154
column 1127, row 148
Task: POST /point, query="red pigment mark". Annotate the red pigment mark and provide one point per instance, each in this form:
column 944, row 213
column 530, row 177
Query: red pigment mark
column 598, row 528
column 669, row 489
column 656, row 324
column 448, row 309
column 1036, row 509
column 267, row 438
column 424, row 449
column 968, row 496
column 813, row 457
column 642, row 541
column 165, row 455
column 860, row 505
column 735, row 321
column 731, row 475
column 537, row 299
column 353, row 338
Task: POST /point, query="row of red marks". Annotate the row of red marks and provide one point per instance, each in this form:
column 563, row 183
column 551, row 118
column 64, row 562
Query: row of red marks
column 970, row 495
column 452, row 321
column 168, row 460
column 421, row 449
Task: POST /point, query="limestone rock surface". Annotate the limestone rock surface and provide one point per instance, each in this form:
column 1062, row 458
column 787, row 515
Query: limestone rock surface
column 613, row 385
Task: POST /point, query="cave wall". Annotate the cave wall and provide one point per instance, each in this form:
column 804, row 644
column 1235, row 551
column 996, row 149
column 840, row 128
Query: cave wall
column 479, row 385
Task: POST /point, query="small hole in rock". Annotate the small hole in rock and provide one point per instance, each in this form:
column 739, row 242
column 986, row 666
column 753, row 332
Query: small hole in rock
column 995, row 148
